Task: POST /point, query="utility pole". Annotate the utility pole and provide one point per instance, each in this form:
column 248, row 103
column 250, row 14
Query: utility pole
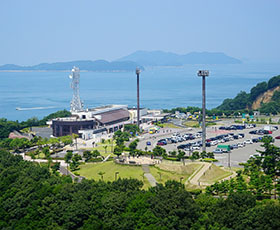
column 203, row 74
column 138, row 98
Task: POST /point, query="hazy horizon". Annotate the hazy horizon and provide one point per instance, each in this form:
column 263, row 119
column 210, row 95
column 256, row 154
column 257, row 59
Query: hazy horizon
column 33, row 31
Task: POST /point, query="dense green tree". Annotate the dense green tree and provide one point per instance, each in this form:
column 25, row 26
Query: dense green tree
column 33, row 198
column 159, row 151
column 55, row 167
column 258, row 90
column 132, row 129
column 195, row 155
column 118, row 150
column 273, row 82
column 132, row 146
column 68, row 157
column 74, row 165
column 87, row 155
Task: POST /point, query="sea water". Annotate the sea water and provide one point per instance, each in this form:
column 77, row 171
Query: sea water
column 38, row 94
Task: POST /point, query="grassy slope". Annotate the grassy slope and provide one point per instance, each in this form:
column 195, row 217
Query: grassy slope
column 214, row 174
column 173, row 171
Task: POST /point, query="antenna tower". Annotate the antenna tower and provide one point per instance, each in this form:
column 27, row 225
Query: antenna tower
column 76, row 104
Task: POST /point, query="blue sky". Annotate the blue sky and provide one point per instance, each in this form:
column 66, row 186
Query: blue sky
column 35, row 31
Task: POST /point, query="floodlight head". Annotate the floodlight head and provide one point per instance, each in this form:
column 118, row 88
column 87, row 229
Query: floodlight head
column 203, row 73
column 138, row 71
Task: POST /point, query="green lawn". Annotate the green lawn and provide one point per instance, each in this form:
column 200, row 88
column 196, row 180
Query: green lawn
column 162, row 173
column 91, row 170
column 170, row 125
column 214, row 174
column 191, row 123
column 101, row 149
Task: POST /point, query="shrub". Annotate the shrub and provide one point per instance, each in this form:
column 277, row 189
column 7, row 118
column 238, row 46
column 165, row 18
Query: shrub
column 209, row 160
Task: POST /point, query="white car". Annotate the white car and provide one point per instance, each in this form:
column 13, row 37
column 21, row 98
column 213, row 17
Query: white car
column 240, row 145
column 248, row 142
column 213, row 143
column 255, row 155
column 196, row 148
column 218, row 151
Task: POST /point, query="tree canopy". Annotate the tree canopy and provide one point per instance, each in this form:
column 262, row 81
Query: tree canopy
column 31, row 197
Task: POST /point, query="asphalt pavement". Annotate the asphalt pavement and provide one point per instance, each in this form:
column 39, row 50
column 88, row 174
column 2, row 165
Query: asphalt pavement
column 236, row 156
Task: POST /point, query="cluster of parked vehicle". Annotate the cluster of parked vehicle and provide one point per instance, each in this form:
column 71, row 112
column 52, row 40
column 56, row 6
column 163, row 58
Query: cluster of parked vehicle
column 260, row 132
column 176, row 137
column 238, row 127
column 220, row 140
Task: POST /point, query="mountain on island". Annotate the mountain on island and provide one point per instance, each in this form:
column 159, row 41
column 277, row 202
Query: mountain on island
column 99, row 65
column 160, row 58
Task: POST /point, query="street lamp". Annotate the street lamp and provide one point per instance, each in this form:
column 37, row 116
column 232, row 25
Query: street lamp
column 203, row 74
column 138, row 103
column 116, row 175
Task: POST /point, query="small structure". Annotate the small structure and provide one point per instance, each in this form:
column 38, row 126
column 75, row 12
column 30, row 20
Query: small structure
column 17, row 134
column 90, row 122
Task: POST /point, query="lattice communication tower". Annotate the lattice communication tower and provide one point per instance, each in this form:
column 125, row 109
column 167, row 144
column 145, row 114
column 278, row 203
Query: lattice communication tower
column 76, row 103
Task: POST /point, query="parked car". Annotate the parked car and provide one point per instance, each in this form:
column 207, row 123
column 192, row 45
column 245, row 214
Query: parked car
column 255, row 140
column 248, row 141
column 148, row 143
column 240, row 136
column 253, row 132
column 218, row 151
column 182, row 146
column 240, row 145
column 278, row 137
column 255, row 155
column 234, row 146
column 161, row 143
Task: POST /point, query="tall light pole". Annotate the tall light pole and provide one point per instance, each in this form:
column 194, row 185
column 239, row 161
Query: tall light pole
column 138, row 103
column 203, row 74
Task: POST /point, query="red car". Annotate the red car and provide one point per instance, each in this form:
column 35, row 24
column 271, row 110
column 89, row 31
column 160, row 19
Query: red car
column 160, row 143
column 278, row 137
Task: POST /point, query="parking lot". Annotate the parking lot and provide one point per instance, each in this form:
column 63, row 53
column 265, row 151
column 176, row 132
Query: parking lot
column 237, row 155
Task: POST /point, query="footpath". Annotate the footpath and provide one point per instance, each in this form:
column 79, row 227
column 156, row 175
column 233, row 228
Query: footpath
column 195, row 177
column 148, row 175
column 63, row 167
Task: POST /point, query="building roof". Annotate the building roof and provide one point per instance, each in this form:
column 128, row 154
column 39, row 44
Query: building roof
column 112, row 116
column 106, row 108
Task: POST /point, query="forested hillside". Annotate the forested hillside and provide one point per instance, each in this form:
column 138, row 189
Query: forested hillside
column 8, row 126
column 31, row 197
column 256, row 97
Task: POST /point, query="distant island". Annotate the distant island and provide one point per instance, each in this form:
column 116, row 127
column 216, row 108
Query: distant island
column 129, row 63
column 160, row 58
column 99, row 65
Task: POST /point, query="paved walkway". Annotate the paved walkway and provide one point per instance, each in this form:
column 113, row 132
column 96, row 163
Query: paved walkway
column 63, row 170
column 148, row 175
column 199, row 173
column 195, row 180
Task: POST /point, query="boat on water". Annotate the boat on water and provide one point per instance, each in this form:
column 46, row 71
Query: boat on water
column 34, row 108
